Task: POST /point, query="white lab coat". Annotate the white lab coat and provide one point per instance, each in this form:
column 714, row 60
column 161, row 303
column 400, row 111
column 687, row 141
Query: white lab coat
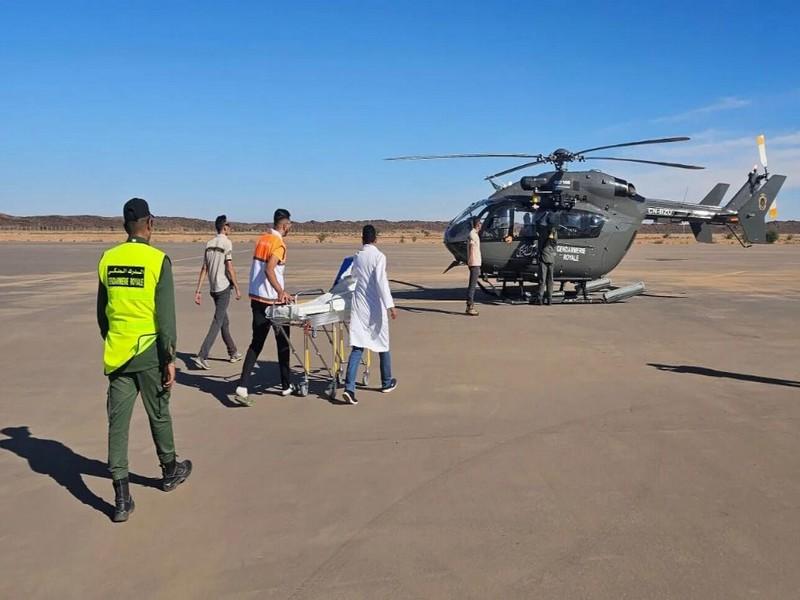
column 369, row 321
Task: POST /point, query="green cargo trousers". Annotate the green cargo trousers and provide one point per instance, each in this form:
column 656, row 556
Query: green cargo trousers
column 122, row 391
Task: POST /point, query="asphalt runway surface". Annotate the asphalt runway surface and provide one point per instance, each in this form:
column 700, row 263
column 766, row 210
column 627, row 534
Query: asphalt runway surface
column 647, row 449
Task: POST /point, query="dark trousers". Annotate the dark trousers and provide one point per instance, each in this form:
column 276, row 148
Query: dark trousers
column 122, row 392
column 545, row 280
column 261, row 327
column 219, row 323
column 474, row 272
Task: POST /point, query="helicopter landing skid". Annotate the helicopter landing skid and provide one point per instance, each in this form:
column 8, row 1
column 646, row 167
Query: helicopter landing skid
column 599, row 291
column 502, row 294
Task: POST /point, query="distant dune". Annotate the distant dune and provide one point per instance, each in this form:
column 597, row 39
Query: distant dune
column 95, row 228
column 190, row 225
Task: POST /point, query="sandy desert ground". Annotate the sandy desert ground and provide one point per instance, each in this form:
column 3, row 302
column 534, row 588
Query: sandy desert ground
column 649, row 449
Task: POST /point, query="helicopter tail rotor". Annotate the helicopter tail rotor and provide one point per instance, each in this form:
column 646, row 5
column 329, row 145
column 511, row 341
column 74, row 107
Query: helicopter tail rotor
column 762, row 150
column 762, row 155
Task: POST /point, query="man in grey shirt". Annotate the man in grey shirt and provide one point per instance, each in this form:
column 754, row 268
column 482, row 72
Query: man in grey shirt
column 218, row 265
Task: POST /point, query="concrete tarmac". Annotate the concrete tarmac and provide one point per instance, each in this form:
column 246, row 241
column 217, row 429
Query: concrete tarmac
column 647, row 449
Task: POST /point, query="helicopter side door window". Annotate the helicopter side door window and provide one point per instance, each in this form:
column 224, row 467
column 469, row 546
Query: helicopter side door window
column 576, row 224
column 496, row 225
column 524, row 225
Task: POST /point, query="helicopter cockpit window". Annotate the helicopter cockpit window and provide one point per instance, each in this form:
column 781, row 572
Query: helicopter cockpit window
column 524, row 224
column 579, row 224
column 460, row 226
column 496, row 226
column 470, row 211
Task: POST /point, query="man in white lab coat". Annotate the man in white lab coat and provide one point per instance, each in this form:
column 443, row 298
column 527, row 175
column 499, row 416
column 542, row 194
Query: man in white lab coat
column 372, row 308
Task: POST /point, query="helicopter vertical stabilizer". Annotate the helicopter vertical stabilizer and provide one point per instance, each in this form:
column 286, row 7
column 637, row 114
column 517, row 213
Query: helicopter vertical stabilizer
column 714, row 197
column 702, row 231
column 753, row 212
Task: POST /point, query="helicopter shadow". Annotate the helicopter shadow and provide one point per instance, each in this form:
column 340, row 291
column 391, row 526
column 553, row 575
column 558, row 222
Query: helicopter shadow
column 694, row 370
column 65, row 466
column 421, row 293
column 669, row 296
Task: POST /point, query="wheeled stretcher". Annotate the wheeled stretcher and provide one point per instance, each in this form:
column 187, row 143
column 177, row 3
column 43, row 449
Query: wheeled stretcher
column 325, row 318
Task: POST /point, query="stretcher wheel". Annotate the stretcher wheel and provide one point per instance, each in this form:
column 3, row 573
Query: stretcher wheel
column 303, row 390
column 331, row 391
column 365, row 379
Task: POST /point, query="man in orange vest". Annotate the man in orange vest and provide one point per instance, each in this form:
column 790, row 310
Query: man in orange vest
column 267, row 287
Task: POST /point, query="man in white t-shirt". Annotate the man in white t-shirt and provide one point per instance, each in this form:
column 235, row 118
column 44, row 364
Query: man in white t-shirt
column 474, row 264
column 218, row 265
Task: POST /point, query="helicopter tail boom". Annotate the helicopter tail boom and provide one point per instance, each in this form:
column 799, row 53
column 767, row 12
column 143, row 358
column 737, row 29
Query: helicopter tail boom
column 749, row 207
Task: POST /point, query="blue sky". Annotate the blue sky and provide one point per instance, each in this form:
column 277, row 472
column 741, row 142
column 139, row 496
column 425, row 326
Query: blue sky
column 239, row 107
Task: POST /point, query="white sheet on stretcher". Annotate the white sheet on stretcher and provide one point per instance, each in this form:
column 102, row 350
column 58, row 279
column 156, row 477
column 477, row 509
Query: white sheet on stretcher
column 331, row 307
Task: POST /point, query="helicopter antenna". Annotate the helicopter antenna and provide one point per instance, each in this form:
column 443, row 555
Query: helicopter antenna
column 494, row 184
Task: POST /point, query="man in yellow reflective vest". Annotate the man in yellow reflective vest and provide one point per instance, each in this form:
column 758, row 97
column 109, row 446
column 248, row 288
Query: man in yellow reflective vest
column 136, row 315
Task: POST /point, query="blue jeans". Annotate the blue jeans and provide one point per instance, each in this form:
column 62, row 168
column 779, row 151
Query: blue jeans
column 355, row 360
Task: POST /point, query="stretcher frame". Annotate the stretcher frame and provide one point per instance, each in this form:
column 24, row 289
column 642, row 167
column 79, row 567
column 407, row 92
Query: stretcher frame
column 336, row 332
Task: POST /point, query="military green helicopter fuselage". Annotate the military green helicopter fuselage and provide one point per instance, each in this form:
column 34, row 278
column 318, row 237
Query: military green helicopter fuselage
column 598, row 216
column 594, row 216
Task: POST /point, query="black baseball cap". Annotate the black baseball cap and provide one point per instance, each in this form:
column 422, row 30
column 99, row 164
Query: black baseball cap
column 135, row 209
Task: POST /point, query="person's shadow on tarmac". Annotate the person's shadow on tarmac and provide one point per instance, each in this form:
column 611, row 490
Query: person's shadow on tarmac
column 67, row 468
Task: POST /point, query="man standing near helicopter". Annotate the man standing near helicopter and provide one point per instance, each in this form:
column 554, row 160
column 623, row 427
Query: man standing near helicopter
column 473, row 264
column 546, row 230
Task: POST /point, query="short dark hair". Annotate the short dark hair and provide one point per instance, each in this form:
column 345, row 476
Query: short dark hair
column 281, row 215
column 137, row 226
column 220, row 222
column 369, row 234
column 475, row 220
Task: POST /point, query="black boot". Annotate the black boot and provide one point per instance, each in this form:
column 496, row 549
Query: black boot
column 175, row 473
column 123, row 501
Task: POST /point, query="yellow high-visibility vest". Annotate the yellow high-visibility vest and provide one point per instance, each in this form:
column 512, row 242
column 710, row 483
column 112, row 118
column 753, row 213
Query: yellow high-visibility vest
column 130, row 273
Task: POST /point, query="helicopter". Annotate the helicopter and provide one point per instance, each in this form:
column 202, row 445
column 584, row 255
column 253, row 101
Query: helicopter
column 597, row 216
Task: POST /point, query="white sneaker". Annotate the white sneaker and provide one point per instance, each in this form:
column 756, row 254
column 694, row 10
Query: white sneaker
column 201, row 363
column 289, row 390
column 242, row 396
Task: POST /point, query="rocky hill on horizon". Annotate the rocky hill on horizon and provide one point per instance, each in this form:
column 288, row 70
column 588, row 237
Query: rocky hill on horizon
column 192, row 225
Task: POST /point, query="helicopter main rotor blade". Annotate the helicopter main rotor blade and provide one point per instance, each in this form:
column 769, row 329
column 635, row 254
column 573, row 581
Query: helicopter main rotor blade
column 648, row 162
column 517, row 168
column 481, row 155
column 654, row 141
